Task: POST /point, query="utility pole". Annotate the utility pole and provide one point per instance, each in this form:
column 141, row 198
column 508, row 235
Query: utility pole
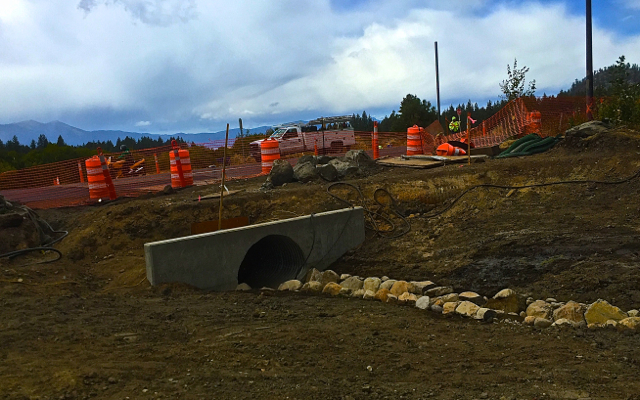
column 589, row 64
column 241, row 135
column 438, row 83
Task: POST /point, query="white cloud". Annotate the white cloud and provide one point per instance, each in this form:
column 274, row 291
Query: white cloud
column 143, row 123
column 153, row 12
column 188, row 64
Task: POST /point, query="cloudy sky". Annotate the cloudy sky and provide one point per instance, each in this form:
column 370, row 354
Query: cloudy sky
column 165, row 66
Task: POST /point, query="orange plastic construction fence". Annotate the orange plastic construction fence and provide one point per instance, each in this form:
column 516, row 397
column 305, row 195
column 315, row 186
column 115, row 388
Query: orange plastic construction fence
column 65, row 183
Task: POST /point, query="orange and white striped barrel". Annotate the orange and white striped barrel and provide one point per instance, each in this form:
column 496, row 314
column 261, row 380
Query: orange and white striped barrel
column 98, row 188
column 414, row 140
column 180, row 161
column 269, row 152
column 448, row 150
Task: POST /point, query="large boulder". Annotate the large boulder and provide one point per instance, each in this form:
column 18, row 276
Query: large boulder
column 327, row 172
column 505, row 300
column 281, row 173
column 324, row 159
column 308, row 158
column 372, row 284
column 329, row 276
column 344, row 168
column 305, row 172
column 400, row 287
column 467, row 308
column 587, row 129
column 539, row 309
column 352, row 283
column 601, row 311
column 359, row 156
column 571, row 311
column 332, row 289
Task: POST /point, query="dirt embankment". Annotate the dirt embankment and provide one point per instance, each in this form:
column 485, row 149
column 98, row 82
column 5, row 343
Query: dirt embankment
column 90, row 325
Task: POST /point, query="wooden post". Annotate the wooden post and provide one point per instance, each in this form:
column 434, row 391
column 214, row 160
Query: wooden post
column 224, row 166
column 469, row 137
column 80, row 171
column 155, row 156
column 374, row 141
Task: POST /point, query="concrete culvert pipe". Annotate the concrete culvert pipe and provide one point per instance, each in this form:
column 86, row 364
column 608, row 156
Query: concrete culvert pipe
column 270, row 261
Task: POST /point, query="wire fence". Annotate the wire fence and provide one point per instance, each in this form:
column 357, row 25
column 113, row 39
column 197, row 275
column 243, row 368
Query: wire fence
column 133, row 174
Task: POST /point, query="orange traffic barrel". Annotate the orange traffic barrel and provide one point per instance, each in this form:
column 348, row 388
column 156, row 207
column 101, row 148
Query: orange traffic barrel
column 448, row 150
column 181, row 175
column 269, row 152
column 98, row 187
column 414, row 140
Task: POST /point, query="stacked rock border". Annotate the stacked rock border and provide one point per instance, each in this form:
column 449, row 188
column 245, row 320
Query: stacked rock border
column 505, row 306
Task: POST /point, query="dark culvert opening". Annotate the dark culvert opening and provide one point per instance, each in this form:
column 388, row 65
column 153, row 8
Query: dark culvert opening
column 270, row 261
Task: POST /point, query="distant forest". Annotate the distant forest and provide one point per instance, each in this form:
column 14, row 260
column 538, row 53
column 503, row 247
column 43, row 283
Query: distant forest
column 604, row 80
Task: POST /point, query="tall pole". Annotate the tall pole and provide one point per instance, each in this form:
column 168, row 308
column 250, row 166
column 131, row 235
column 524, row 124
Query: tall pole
column 589, row 64
column 241, row 136
column 224, row 164
column 437, row 82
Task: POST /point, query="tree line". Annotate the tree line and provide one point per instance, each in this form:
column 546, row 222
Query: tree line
column 15, row 155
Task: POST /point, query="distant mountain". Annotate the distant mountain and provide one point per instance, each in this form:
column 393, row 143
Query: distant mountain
column 30, row 130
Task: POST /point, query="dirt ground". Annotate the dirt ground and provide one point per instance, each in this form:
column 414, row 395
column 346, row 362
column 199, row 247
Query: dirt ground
column 90, row 325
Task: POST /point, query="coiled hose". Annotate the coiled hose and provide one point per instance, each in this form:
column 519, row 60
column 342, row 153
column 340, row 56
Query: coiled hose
column 570, row 182
column 37, row 221
column 374, row 219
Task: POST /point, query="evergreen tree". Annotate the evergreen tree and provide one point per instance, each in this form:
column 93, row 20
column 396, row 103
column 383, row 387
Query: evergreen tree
column 60, row 141
column 32, row 146
column 42, row 142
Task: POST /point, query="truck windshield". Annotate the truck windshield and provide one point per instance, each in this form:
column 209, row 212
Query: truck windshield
column 278, row 133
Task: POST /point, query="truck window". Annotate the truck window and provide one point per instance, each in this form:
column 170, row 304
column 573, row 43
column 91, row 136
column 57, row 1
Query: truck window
column 291, row 133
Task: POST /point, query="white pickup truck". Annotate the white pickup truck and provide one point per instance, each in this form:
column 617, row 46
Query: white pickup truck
column 297, row 138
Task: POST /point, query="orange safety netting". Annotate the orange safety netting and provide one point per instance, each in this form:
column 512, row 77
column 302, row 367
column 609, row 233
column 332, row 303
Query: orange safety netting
column 64, row 183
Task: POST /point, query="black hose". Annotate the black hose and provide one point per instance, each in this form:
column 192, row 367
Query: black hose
column 370, row 216
column 572, row 182
column 37, row 220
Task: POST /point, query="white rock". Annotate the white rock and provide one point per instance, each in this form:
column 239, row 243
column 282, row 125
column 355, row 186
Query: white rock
column 388, row 284
column 291, row 285
column 384, row 278
column 423, row 302
column 372, row 284
column 344, row 276
column 633, row 313
column 243, row 287
column 352, row 283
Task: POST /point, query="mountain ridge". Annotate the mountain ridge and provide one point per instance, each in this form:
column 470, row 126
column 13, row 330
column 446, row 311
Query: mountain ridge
column 29, row 130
